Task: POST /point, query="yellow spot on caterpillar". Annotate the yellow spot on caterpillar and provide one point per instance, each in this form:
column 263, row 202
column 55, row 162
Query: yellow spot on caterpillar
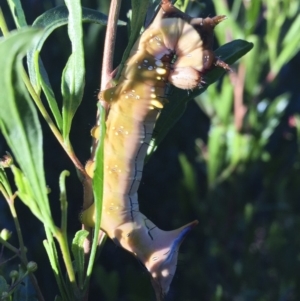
column 156, row 104
column 95, row 132
column 151, row 40
column 158, row 77
column 120, row 130
column 161, row 71
column 152, row 95
column 133, row 91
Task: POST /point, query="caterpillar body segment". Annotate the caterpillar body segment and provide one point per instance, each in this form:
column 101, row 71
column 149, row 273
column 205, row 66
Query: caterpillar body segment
column 175, row 49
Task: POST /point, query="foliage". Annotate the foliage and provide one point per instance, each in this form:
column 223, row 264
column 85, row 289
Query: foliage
column 240, row 180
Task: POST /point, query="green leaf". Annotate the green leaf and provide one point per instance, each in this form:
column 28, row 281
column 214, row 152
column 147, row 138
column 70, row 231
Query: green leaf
column 272, row 117
column 291, row 46
column 98, row 173
column 49, row 21
column 43, row 80
column 98, row 190
column 25, row 192
column 253, row 9
column 229, row 25
column 139, row 11
column 78, row 253
column 3, row 285
column 54, row 262
column 254, row 70
column 230, row 53
column 4, row 182
column 223, row 102
column 53, row 19
column 18, row 117
column 216, row 150
column 17, row 12
column 72, row 84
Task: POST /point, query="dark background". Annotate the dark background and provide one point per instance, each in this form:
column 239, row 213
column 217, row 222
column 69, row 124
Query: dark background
column 246, row 246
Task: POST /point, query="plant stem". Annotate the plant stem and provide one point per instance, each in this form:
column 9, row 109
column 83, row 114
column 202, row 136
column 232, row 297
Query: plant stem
column 50, row 247
column 3, row 25
column 51, row 124
column 238, row 82
column 63, row 202
column 19, row 232
column 9, row 246
column 21, row 253
column 109, row 44
column 64, row 247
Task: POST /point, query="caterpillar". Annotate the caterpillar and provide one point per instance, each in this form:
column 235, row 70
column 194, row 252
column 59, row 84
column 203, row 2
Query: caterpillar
column 175, row 49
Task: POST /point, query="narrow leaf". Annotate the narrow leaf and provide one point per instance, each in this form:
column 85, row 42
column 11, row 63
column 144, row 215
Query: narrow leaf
column 3, row 285
column 74, row 72
column 55, row 18
column 139, row 11
column 98, row 190
column 18, row 117
column 78, row 253
column 25, row 192
column 49, row 21
column 17, row 12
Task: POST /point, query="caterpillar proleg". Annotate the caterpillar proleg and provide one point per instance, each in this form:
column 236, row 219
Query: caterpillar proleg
column 174, row 49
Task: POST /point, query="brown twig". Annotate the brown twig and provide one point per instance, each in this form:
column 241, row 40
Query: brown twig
column 109, row 45
column 238, row 81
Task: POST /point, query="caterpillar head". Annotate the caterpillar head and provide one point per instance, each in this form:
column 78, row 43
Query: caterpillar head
column 193, row 47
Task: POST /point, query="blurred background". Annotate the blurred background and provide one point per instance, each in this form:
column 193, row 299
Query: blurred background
column 232, row 162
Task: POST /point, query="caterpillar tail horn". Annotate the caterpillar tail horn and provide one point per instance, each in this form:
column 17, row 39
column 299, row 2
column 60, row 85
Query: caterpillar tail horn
column 162, row 264
column 155, row 249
